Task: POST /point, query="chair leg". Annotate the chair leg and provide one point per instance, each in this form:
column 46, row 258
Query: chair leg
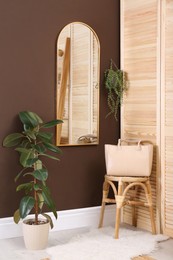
column 106, row 186
column 117, row 222
column 119, row 203
column 134, row 220
column 134, row 216
column 152, row 220
column 149, row 199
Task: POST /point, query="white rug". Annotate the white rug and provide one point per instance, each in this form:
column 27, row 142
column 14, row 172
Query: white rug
column 99, row 244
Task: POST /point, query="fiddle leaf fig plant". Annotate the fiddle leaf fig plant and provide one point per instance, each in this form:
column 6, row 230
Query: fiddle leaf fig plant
column 116, row 84
column 33, row 144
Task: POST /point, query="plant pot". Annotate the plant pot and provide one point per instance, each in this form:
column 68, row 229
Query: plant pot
column 35, row 236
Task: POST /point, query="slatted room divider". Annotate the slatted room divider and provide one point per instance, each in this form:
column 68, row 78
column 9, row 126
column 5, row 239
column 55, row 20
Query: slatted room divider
column 147, row 112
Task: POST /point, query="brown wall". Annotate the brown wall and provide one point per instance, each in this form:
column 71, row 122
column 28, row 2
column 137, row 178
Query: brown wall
column 28, row 33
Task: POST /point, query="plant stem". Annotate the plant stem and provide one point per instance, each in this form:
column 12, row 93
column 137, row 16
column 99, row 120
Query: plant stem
column 35, row 194
column 36, row 204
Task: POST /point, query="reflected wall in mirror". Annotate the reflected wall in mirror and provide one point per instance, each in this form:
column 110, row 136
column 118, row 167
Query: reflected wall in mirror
column 78, row 69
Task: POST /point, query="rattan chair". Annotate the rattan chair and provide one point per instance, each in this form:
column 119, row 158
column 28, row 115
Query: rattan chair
column 126, row 194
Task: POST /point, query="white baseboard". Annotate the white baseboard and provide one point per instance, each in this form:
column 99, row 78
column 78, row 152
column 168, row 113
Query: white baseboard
column 67, row 219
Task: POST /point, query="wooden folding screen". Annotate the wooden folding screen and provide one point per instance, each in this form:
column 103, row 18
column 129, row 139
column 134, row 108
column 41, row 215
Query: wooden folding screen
column 139, row 115
column 167, row 115
column 147, row 112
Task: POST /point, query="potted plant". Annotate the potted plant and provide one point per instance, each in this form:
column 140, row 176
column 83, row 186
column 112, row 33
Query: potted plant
column 116, row 83
column 33, row 144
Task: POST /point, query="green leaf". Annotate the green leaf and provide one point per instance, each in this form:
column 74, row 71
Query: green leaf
column 36, row 187
column 27, row 173
column 27, row 127
column 48, row 218
column 26, row 154
column 25, row 143
column 26, row 186
column 26, row 205
column 52, row 148
column 30, row 134
column 50, row 156
column 41, row 174
column 16, row 216
column 30, row 119
column 19, row 174
column 31, row 161
column 45, row 137
column 48, row 200
column 23, row 150
column 12, row 140
column 39, row 149
column 52, row 123
column 37, row 117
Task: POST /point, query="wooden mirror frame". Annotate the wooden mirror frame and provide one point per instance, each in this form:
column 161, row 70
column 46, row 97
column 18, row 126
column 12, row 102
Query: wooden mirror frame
column 76, row 41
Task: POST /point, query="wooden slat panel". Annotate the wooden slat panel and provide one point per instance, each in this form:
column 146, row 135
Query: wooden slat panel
column 139, row 57
column 167, row 117
column 80, row 80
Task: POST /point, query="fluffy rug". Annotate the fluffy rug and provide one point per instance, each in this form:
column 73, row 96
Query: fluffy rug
column 99, row 244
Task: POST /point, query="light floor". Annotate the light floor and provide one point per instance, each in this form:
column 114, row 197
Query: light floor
column 14, row 249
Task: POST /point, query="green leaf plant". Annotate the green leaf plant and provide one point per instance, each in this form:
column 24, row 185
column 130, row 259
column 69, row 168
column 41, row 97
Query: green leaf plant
column 33, row 144
column 116, row 84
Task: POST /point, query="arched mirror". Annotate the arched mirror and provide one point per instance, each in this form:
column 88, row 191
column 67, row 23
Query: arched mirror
column 78, row 69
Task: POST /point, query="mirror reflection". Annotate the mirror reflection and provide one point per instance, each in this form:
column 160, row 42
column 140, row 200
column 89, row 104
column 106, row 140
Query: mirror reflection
column 78, row 62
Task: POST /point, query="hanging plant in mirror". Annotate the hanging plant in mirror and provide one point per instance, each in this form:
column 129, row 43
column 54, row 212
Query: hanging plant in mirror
column 115, row 81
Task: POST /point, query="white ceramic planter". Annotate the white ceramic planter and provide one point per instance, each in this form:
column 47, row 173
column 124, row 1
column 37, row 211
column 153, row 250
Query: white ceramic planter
column 35, row 236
